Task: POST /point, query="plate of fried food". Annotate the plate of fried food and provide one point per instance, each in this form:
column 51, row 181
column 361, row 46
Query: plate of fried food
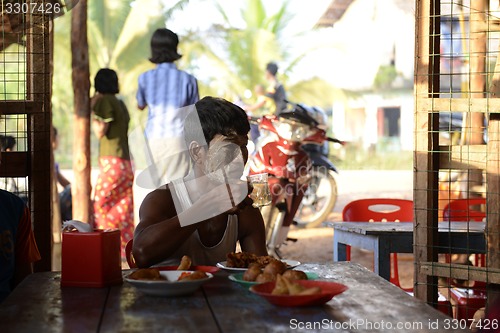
column 239, row 277
column 255, row 274
column 241, row 261
column 284, row 292
column 156, row 282
column 152, row 281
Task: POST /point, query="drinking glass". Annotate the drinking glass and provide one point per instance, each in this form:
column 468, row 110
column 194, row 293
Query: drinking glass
column 261, row 195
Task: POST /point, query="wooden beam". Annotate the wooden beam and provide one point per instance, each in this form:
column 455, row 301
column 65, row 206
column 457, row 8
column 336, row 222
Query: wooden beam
column 461, row 272
column 477, row 104
column 19, row 107
column 14, row 164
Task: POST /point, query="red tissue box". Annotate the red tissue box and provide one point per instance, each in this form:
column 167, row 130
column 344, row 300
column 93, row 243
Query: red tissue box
column 91, row 259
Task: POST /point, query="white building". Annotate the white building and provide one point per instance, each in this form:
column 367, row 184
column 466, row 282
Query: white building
column 369, row 34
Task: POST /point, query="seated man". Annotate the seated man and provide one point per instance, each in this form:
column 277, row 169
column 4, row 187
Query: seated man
column 18, row 247
column 207, row 212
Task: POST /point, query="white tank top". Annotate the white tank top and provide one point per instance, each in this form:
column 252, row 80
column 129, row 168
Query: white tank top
column 193, row 246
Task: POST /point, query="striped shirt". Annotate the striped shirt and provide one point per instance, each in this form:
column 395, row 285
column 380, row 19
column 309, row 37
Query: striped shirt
column 164, row 90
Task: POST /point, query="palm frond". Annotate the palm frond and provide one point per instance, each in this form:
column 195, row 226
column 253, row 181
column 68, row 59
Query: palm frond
column 108, row 16
column 254, row 14
column 135, row 34
column 277, row 22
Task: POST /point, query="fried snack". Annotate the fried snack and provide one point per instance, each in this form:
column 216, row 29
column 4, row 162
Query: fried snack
column 265, row 277
column 293, row 288
column 147, row 274
column 275, row 267
column 263, row 261
column 280, row 288
column 240, row 259
column 252, row 272
column 293, row 275
column 196, row 275
column 286, row 287
column 185, row 264
column 310, row 291
column 244, row 259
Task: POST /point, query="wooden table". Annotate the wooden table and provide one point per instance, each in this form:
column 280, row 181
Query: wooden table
column 371, row 304
column 384, row 238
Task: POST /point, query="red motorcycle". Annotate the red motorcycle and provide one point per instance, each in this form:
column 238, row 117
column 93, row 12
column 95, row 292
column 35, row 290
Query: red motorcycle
column 279, row 153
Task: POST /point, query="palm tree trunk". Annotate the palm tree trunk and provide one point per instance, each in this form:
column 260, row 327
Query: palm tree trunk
column 81, row 187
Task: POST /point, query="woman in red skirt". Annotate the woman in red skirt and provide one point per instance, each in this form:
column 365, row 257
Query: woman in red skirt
column 113, row 197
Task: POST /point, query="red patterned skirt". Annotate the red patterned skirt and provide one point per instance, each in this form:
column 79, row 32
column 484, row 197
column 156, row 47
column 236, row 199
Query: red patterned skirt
column 113, row 198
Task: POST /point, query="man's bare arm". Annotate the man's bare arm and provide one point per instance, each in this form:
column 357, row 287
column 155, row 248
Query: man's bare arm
column 159, row 234
column 252, row 231
column 100, row 128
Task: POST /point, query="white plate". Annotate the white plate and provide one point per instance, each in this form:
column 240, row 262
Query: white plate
column 288, row 262
column 170, row 286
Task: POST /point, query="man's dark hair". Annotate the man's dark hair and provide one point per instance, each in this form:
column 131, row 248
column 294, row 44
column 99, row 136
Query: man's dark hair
column 164, row 46
column 272, row 68
column 216, row 116
column 106, row 81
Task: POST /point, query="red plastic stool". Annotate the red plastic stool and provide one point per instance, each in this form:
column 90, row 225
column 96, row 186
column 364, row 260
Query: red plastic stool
column 468, row 301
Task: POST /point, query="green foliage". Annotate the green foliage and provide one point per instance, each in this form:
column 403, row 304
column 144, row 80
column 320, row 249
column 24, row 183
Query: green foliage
column 13, row 69
column 385, row 76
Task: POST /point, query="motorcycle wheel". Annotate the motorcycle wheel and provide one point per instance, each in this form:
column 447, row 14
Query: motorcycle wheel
column 269, row 214
column 319, row 199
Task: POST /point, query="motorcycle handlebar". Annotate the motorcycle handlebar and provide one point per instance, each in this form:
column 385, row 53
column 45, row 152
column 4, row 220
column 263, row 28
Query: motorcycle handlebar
column 335, row 140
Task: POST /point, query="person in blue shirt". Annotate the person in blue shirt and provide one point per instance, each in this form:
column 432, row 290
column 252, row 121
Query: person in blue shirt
column 165, row 91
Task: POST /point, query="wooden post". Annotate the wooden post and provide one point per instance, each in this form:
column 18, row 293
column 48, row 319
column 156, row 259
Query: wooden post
column 38, row 89
column 81, row 187
column 492, row 232
column 426, row 164
column 473, row 125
